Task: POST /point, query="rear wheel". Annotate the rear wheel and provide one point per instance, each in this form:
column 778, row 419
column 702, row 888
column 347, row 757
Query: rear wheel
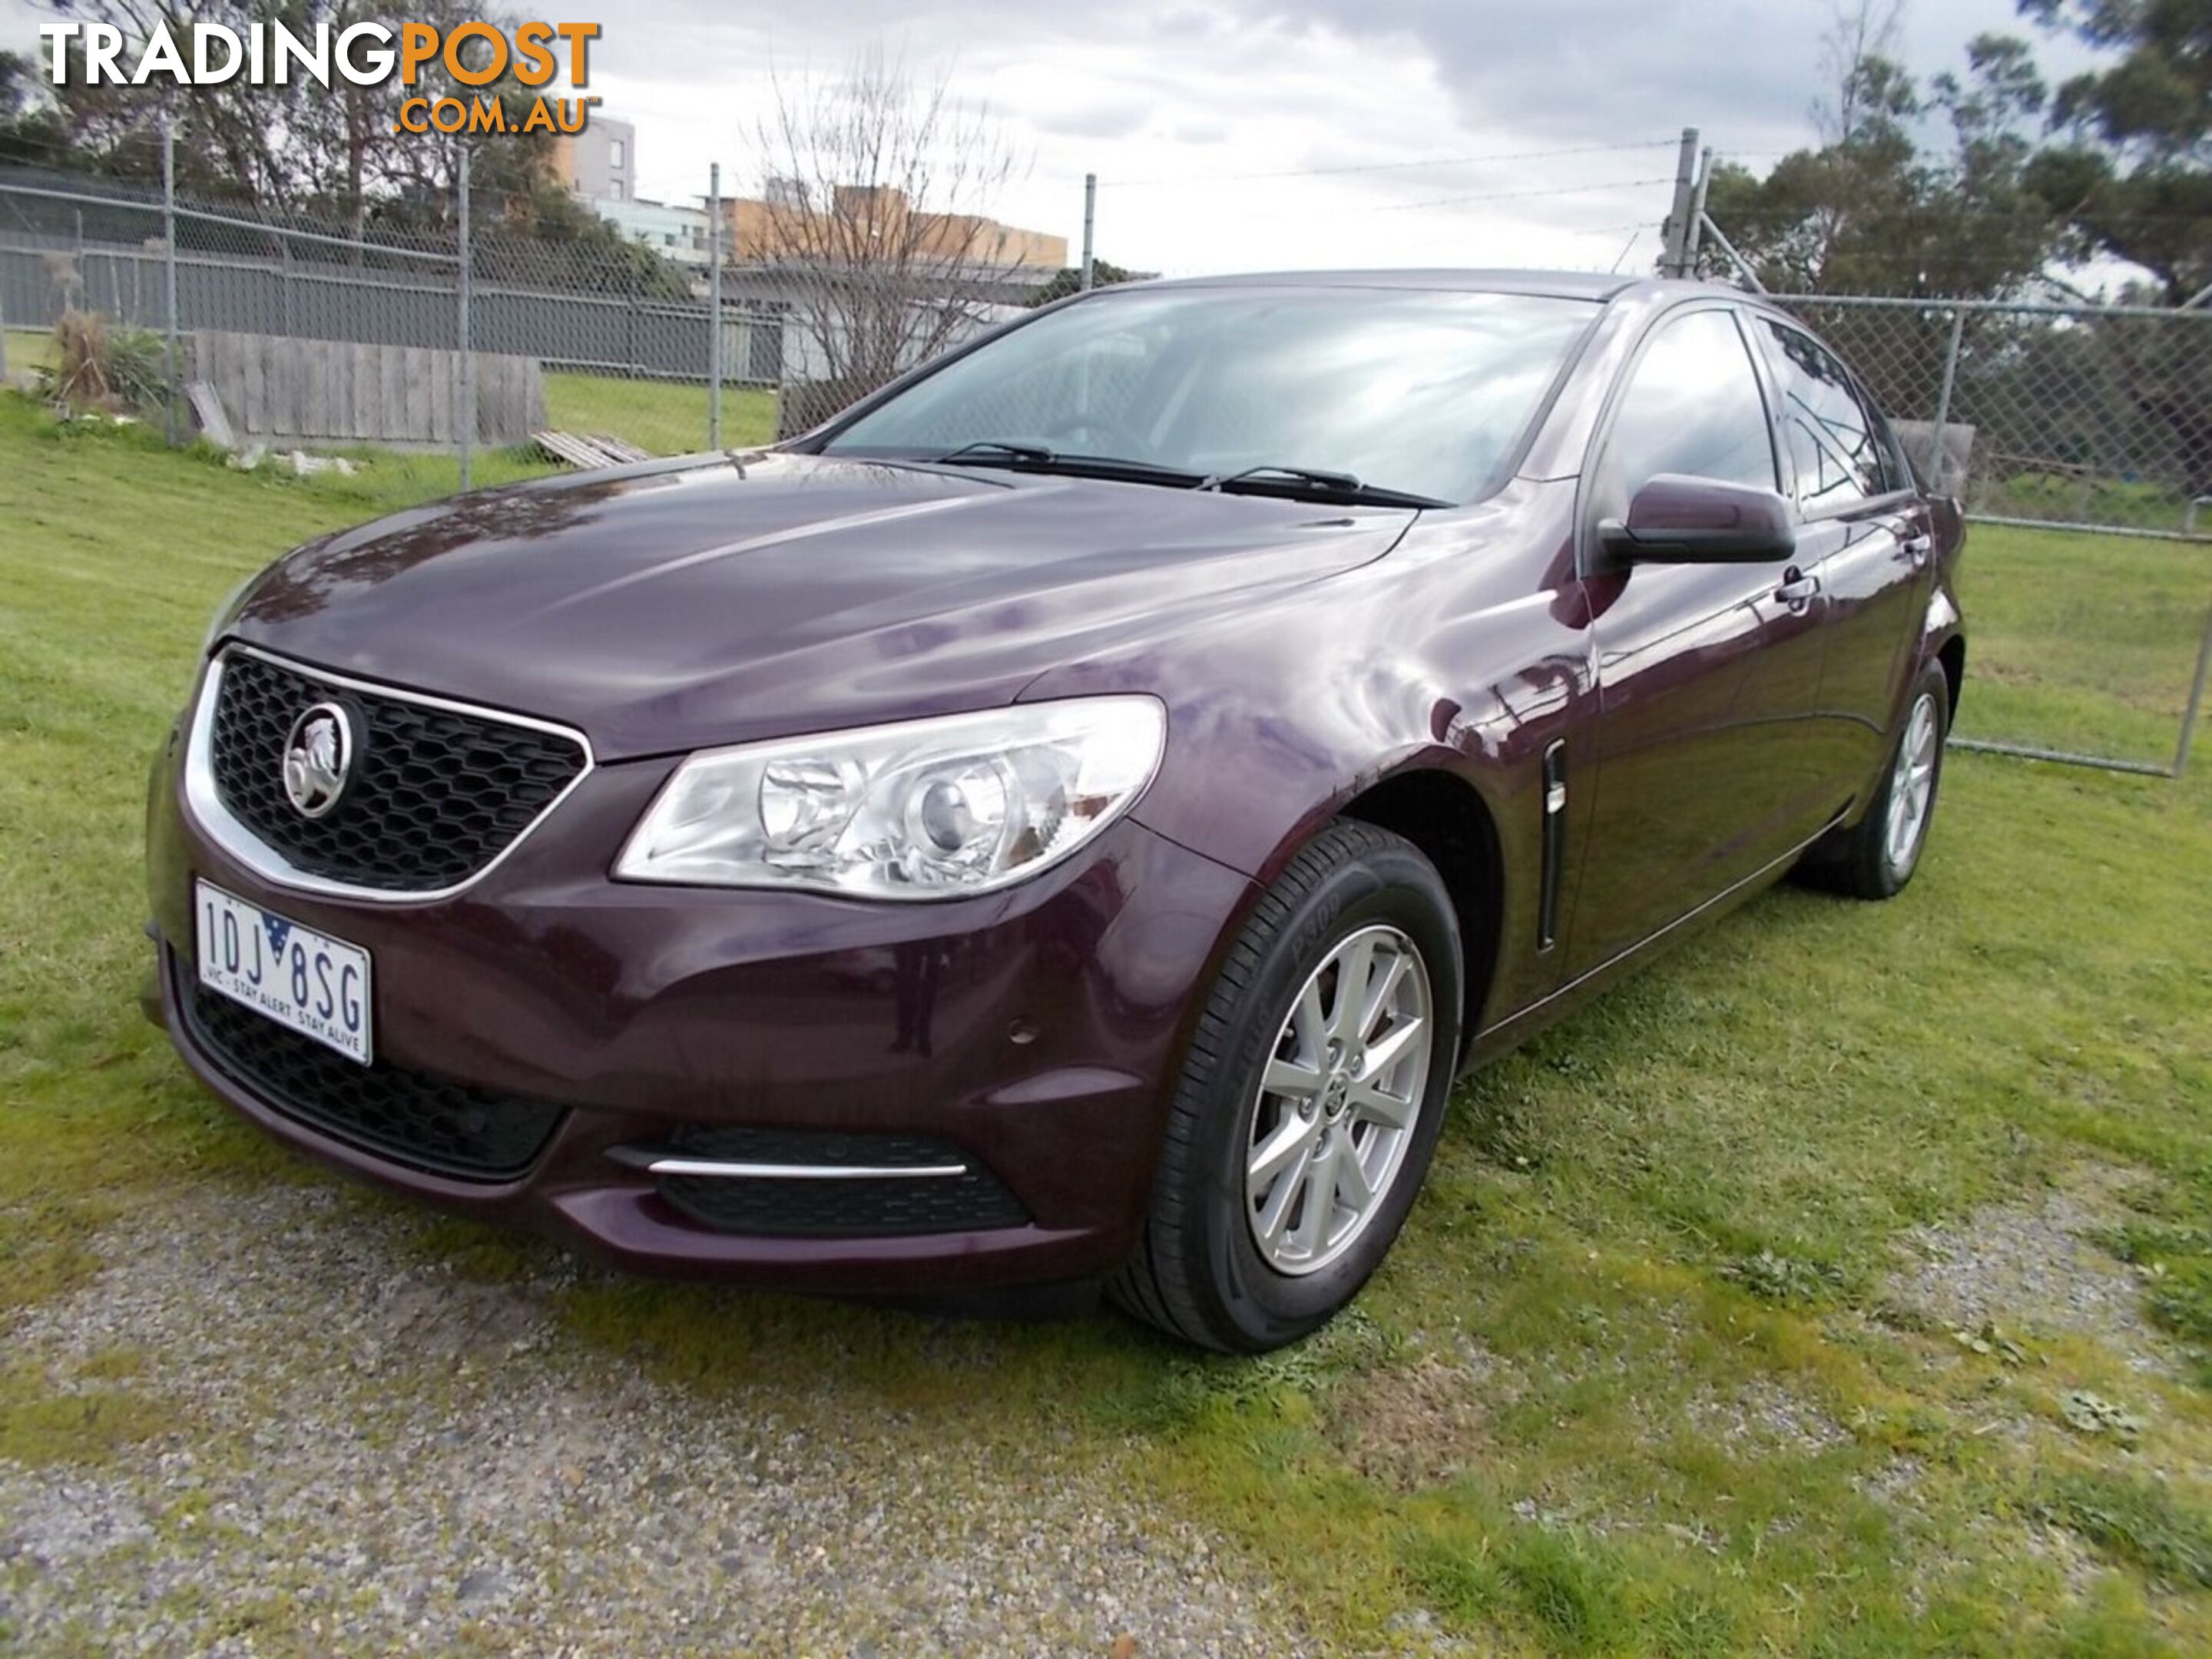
column 1310, row 1101
column 1879, row 856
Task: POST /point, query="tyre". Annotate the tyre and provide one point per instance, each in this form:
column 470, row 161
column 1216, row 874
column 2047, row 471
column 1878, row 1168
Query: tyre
column 1310, row 1101
column 1877, row 857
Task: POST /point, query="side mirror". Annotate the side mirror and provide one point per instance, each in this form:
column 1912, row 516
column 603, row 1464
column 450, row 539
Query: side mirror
column 1675, row 520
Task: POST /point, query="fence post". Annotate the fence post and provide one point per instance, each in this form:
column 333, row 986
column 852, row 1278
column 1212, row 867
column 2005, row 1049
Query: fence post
column 1697, row 212
column 2196, row 706
column 1935, row 453
column 1675, row 261
column 714, row 306
column 169, row 281
column 468, row 416
column 1090, row 213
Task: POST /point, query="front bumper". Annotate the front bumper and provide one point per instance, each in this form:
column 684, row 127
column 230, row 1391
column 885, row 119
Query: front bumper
column 1036, row 1029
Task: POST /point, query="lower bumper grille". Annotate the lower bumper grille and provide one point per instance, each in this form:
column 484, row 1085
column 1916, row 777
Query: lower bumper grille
column 426, row 1122
column 873, row 1205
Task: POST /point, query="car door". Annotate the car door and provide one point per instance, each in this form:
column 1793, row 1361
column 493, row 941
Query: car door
column 1867, row 536
column 1707, row 673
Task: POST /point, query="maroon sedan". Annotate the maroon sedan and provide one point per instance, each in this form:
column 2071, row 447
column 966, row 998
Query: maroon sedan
column 1074, row 814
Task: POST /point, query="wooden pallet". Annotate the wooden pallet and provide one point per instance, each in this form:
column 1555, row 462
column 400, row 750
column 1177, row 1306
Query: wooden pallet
column 595, row 449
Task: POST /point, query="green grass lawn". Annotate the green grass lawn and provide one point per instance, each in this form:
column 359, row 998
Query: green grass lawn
column 1675, row 1216
column 2082, row 641
column 663, row 416
column 27, row 347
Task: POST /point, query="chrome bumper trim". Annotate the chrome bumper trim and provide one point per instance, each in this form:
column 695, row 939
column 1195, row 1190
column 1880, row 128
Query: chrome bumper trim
column 735, row 1171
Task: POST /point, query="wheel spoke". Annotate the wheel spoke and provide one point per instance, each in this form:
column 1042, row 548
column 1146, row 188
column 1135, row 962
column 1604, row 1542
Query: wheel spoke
column 1293, row 1078
column 1389, row 1049
column 1310, row 1023
column 1352, row 1184
column 1277, row 1209
column 1370, row 1101
column 1352, row 974
column 1276, row 1153
column 1311, row 1231
column 1384, row 987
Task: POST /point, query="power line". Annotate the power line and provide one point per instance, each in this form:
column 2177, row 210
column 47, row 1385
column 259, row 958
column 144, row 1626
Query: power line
column 1521, row 195
column 1390, row 167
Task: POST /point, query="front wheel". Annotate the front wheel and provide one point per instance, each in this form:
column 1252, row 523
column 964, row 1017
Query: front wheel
column 1310, row 1102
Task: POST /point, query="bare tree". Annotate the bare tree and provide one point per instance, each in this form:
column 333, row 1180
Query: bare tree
column 1860, row 33
column 879, row 195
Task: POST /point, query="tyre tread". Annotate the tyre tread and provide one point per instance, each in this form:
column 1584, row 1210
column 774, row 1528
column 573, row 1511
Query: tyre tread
column 1157, row 1283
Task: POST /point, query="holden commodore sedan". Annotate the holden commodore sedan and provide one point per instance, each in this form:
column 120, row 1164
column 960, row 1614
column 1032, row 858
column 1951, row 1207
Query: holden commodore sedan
column 1072, row 817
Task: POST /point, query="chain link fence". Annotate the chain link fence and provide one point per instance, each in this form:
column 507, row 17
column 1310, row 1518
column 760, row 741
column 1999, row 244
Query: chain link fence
column 429, row 360
column 2079, row 439
column 419, row 361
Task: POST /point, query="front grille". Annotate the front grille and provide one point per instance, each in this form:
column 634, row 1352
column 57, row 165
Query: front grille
column 410, row 1117
column 436, row 795
column 842, row 1206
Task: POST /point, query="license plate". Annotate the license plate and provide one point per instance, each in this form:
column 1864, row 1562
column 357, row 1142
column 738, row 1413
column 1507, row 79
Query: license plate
column 316, row 985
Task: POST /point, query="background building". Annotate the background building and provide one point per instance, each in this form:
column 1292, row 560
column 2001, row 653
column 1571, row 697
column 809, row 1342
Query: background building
column 675, row 233
column 767, row 228
column 598, row 164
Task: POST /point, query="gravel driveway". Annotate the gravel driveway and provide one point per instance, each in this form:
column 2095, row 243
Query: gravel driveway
column 375, row 1452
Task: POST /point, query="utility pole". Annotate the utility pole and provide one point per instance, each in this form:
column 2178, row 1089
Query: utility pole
column 1090, row 213
column 1698, row 213
column 169, row 277
column 1675, row 262
column 468, row 422
column 714, row 306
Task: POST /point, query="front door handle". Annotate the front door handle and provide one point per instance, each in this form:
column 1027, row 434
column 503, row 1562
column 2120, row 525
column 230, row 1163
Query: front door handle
column 1797, row 588
column 1917, row 548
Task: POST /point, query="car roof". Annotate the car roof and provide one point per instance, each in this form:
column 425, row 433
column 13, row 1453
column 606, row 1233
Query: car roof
column 1559, row 284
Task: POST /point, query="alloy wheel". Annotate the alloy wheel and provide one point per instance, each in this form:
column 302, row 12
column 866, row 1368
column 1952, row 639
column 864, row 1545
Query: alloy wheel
column 1912, row 786
column 1338, row 1100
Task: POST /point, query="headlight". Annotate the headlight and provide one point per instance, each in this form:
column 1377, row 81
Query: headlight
column 923, row 809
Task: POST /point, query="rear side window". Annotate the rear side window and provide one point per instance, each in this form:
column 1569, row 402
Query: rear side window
column 1838, row 453
column 1692, row 405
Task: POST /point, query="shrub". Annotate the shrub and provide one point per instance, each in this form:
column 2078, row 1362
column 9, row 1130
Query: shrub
column 100, row 368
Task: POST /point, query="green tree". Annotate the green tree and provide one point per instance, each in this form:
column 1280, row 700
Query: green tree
column 30, row 129
column 1069, row 280
column 2130, row 171
column 1873, row 209
column 336, row 156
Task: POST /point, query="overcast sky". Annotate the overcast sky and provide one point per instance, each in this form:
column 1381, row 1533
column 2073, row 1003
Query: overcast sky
column 1169, row 101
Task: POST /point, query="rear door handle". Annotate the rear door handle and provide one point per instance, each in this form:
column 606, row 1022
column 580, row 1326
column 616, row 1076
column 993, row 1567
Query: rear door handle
column 1917, row 548
column 1797, row 589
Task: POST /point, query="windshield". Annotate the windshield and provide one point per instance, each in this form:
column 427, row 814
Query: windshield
column 1421, row 391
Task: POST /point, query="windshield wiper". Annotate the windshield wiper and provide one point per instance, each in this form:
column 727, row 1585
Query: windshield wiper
column 1036, row 458
column 1037, row 454
column 1313, row 480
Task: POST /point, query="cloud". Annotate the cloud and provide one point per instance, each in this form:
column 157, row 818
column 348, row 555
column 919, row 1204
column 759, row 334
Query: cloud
column 1107, row 121
column 1190, row 110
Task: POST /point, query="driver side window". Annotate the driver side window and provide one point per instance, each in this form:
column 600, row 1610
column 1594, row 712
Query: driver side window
column 1692, row 405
